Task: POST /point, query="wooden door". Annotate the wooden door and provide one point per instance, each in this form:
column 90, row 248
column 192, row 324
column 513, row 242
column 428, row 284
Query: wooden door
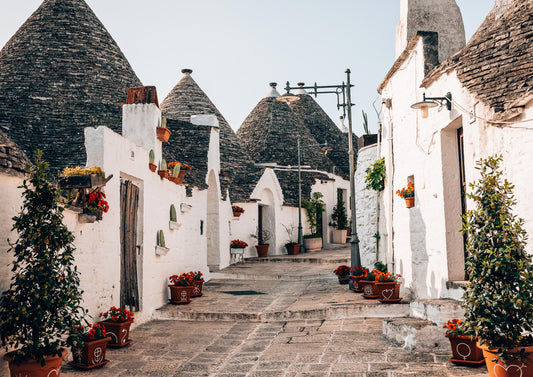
column 461, row 151
column 129, row 204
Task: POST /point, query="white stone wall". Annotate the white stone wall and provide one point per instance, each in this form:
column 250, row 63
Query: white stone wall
column 424, row 242
column 366, row 208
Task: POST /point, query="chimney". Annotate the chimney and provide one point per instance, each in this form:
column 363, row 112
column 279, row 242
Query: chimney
column 440, row 16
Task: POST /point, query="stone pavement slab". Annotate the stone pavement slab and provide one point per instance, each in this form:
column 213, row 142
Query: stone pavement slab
column 328, row 348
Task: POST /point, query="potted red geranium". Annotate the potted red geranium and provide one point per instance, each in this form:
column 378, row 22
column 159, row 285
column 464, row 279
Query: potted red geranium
column 117, row 322
column 463, row 343
column 343, row 274
column 89, row 344
column 198, row 283
column 181, row 288
column 237, row 211
column 357, row 274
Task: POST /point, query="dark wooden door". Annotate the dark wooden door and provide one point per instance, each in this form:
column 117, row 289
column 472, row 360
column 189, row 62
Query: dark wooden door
column 461, row 151
column 129, row 286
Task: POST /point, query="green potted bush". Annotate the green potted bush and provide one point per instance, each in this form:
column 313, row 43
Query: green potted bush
column 498, row 299
column 314, row 207
column 339, row 220
column 42, row 303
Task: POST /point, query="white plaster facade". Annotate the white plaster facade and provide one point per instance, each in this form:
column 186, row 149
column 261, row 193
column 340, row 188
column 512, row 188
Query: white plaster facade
column 424, row 243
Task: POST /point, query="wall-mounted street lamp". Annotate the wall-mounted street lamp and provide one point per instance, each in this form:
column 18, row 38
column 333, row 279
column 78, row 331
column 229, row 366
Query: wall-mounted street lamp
column 344, row 100
column 429, row 102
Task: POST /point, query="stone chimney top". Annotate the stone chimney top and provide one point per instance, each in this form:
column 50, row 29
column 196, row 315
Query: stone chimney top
column 272, row 92
column 440, row 16
column 186, row 71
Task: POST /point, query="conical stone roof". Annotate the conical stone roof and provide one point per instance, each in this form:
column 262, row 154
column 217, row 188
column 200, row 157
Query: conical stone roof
column 187, row 99
column 270, row 133
column 13, row 160
column 61, row 72
column 324, row 130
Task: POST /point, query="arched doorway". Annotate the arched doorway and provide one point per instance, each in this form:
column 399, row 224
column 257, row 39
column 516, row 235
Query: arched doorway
column 266, row 221
column 213, row 224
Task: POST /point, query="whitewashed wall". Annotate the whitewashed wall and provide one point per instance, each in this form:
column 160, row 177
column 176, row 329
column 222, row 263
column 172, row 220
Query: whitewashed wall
column 424, row 242
column 366, row 207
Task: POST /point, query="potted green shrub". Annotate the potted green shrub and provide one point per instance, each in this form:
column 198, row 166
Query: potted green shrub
column 498, row 299
column 339, row 220
column 314, row 207
column 43, row 301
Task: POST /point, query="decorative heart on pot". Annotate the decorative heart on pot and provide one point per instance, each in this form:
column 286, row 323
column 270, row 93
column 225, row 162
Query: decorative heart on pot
column 387, row 293
column 504, row 370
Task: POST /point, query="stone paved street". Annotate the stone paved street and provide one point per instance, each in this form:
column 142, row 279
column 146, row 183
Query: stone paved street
column 289, row 329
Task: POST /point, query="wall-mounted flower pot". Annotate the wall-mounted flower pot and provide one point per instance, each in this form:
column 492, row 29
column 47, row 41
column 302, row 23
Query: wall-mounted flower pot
column 161, row 250
column 163, row 134
column 153, row 167
column 237, row 214
column 163, row 173
column 410, row 202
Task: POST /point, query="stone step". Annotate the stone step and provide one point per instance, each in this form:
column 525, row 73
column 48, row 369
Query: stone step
column 414, row 334
column 304, row 258
column 438, row 311
column 230, row 275
column 333, row 312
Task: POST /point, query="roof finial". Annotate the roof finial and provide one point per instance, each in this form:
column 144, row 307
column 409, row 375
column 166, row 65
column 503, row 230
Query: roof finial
column 272, row 92
column 300, row 90
column 186, row 71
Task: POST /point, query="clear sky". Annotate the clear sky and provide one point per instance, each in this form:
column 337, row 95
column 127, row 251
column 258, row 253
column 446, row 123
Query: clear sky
column 236, row 47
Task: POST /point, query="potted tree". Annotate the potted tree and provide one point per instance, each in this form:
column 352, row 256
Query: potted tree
column 314, row 207
column 339, row 220
column 43, row 301
column 293, row 248
column 498, row 299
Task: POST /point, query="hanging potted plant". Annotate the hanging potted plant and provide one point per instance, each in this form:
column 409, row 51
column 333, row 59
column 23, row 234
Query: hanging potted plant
column 368, row 284
column 198, row 283
column 81, row 177
column 181, row 170
column 43, row 300
column 262, row 237
column 174, row 173
column 498, row 299
column 408, row 194
column 181, row 288
column 339, row 221
column 388, row 287
column 163, row 133
column 151, row 158
column 357, row 274
column 463, row 343
column 237, row 211
column 117, row 322
column 343, row 274
column 314, row 207
column 89, row 345
column 96, row 205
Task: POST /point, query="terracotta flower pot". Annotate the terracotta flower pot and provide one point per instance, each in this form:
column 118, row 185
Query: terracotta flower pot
column 465, row 351
column 118, row 332
column 388, row 292
column 369, row 289
column 181, row 176
column 344, row 279
column 153, row 167
column 262, row 250
column 91, row 355
column 510, row 369
column 33, row 368
column 410, row 202
column 180, row 295
column 197, row 288
column 163, row 173
column 356, row 283
column 163, row 134
column 173, row 179
column 293, row 250
column 236, row 214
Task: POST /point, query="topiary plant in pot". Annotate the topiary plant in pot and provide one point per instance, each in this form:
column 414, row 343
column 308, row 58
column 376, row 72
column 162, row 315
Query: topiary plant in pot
column 42, row 303
column 498, row 300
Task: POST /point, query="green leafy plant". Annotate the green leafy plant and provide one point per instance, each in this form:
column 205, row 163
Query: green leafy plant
column 339, row 219
column 381, row 267
column 498, row 299
column 375, row 175
column 161, row 238
column 314, row 207
column 151, row 156
column 43, row 301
